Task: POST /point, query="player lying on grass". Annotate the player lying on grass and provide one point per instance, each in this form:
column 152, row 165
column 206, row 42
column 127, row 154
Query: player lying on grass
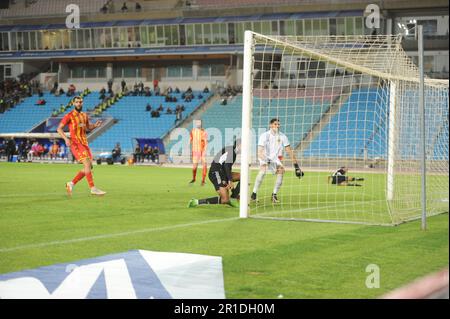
column 78, row 123
column 339, row 178
column 223, row 179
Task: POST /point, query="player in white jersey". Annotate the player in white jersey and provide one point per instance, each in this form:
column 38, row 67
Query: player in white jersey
column 270, row 155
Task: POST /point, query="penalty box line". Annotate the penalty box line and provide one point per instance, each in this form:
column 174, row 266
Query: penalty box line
column 106, row 236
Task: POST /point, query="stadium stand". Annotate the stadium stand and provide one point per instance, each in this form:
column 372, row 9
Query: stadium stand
column 208, row 4
column 25, row 8
column 287, row 109
column 133, row 121
column 353, row 125
column 26, row 115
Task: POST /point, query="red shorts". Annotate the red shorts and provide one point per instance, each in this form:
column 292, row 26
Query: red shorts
column 80, row 151
column 198, row 156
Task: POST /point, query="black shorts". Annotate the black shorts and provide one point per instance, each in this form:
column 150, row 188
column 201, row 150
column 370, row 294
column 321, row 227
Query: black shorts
column 218, row 178
column 338, row 179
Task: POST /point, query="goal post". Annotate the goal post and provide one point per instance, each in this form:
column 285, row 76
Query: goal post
column 342, row 101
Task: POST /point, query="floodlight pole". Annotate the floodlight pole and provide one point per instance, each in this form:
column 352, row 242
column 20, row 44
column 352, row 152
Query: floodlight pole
column 422, row 128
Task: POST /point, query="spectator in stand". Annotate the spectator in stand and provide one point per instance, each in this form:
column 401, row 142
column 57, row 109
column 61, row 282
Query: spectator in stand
column 102, row 91
column 155, row 155
column 137, row 155
column 155, row 84
column 178, row 116
column 54, row 89
column 147, row 91
column 54, row 113
column 138, row 7
column 177, row 90
column 61, row 91
column 157, row 91
column 148, row 108
column 169, row 90
column 206, row 90
column 104, row 9
column 124, row 85
column 160, row 108
column 169, row 110
column 10, row 149
column 155, row 113
column 40, row 150
column 40, row 94
column 32, row 152
column 54, row 151
column 41, row 102
column 110, row 84
column 45, row 150
column 124, row 7
column 22, row 150
column 2, row 148
column 146, row 153
column 116, row 152
column 71, row 90
column 62, row 151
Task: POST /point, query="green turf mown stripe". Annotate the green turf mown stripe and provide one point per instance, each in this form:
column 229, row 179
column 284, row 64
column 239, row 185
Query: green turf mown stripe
column 140, row 231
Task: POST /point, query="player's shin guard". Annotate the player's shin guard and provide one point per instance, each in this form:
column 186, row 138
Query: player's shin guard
column 90, row 179
column 258, row 181
column 278, row 183
column 236, row 191
column 78, row 177
column 211, row 200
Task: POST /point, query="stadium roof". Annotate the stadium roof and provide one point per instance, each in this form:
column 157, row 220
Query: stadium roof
column 124, row 23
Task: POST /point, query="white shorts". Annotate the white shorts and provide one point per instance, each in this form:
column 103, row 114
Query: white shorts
column 272, row 166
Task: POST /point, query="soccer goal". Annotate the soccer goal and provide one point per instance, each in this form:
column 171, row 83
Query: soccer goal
column 342, row 101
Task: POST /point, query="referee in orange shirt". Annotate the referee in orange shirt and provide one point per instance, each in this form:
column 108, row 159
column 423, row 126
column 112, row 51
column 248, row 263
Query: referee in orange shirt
column 78, row 123
column 199, row 141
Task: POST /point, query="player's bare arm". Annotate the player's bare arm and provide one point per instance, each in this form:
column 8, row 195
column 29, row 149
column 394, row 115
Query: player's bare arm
column 62, row 134
column 95, row 125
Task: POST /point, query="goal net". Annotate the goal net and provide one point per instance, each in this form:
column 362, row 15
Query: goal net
column 342, row 101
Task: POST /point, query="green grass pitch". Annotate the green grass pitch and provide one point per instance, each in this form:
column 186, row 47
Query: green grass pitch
column 145, row 208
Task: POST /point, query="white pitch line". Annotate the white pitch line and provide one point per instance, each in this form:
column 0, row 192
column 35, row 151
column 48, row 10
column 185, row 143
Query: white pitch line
column 105, row 236
column 31, row 195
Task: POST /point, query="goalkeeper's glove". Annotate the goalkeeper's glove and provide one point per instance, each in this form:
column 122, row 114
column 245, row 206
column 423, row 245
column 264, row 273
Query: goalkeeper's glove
column 298, row 171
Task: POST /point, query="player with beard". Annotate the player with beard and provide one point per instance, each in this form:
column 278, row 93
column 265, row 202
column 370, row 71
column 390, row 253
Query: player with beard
column 78, row 123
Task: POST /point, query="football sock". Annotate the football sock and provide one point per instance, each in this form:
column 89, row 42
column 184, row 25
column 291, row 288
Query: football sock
column 278, row 183
column 194, row 173
column 211, row 200
column 258, row 181
column 90, row 180
column 236, row 191
column 78, row 177
column 205, row 169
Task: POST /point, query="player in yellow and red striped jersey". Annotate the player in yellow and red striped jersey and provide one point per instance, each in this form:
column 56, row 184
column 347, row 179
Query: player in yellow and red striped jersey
column 199, row 141
column 78, row 123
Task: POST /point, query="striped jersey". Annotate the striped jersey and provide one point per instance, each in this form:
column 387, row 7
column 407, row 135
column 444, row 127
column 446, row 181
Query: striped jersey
column 78, row 123
column 198, row 139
